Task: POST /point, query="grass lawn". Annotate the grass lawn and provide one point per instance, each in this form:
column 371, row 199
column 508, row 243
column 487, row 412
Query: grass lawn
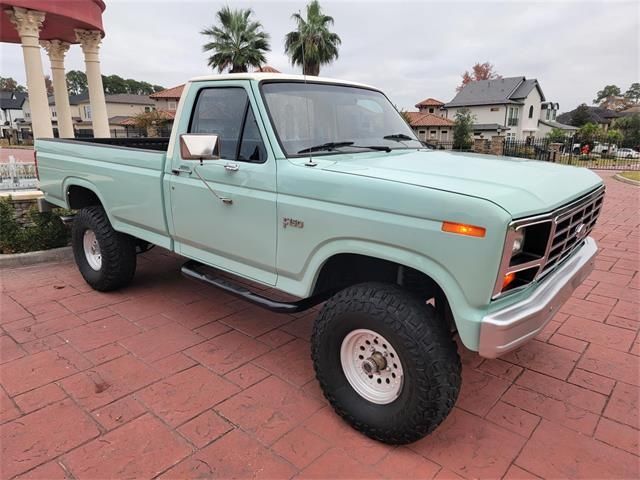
column 631, row 175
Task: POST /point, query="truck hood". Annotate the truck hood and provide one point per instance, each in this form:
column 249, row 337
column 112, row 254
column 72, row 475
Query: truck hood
column 520, row 186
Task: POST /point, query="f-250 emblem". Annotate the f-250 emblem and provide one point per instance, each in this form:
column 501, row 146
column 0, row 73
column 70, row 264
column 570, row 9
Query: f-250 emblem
column 292, row 222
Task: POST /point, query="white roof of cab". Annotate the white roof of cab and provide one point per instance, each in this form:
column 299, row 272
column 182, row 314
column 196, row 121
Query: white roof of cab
column 260, row 76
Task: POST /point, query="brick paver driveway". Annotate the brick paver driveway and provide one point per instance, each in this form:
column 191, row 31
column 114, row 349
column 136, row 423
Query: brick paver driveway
column 172, row 379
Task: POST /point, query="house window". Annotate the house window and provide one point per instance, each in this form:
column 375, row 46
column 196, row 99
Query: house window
column 554, row 114
column 495, row 109
column 149, row 109
column 513, row 117
column 431, row 110
column 87, row 111
column 434, row 133
column 53, row 113
column 531, row 111
column 548, row 114
column 443, row 134
column 171, row 105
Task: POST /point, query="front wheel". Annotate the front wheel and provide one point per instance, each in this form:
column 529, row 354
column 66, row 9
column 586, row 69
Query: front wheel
column 106, row 258
column 386, row 362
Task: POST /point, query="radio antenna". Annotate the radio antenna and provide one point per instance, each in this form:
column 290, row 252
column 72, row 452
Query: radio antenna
column 310, row 162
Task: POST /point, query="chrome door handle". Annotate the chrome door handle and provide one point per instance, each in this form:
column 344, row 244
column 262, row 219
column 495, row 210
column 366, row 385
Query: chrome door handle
column 232, row 167
column 181, row 169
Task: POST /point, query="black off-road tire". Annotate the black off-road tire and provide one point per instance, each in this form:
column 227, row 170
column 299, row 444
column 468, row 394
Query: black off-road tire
column 429, row 356
column 118, row 251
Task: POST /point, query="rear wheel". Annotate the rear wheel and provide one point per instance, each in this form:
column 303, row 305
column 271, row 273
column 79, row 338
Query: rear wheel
column 386, row 362
column 106, row 258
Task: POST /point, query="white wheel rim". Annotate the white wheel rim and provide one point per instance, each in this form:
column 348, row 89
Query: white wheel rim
column 92, row 250
column 372, row 366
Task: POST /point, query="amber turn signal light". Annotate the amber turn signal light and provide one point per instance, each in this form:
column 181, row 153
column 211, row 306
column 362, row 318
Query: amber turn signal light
column 508, row 279
column 464, row 229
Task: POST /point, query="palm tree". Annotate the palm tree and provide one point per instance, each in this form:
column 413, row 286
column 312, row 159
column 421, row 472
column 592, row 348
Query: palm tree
column 237, row 42
column 312, row 44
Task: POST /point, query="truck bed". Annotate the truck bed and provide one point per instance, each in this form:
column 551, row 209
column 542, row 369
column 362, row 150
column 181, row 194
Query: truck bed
column 154, row 143
column 125, row 173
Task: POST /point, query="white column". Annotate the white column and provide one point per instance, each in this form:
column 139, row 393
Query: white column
column 56, row 49
column 28, row 24
column 90, row 43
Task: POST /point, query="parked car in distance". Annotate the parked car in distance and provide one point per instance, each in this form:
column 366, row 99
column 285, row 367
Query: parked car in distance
column 604, row 148
column 319, row 189
column 627, row 153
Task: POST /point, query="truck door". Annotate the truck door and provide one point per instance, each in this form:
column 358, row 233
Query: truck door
column 224, row 211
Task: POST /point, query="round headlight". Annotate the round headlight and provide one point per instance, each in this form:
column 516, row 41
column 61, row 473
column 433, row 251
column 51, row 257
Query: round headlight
column 518, row 242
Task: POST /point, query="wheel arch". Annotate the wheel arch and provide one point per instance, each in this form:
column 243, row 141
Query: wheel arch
column 80, row 193
column 345, row 269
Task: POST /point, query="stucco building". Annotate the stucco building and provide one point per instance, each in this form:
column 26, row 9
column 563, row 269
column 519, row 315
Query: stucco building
column 431, row 128
column 121, row 108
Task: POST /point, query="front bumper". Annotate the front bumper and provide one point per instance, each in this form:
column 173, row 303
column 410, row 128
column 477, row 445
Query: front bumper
column 504, row 330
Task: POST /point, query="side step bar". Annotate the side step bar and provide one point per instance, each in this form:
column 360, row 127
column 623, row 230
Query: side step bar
column 191, row 270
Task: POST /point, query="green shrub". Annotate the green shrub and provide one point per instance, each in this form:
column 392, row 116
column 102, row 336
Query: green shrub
column 41, row 232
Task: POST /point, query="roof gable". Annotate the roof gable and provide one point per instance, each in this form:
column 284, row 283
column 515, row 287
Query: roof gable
column 495, row 91
column 420, row 119
column 12, row 100
column 525, row 88
column 429, row 102
column 173, row 92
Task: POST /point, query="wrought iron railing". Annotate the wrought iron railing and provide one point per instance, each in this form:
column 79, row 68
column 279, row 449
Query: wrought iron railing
column 18, row 176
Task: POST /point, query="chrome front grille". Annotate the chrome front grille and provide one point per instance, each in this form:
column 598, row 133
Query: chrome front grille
column 567, row 228
column 570, row 227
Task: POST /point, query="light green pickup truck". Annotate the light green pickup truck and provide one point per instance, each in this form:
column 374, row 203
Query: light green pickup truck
column 319, row 189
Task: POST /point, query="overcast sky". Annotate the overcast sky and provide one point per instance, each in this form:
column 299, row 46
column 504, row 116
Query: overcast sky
column 410, row 49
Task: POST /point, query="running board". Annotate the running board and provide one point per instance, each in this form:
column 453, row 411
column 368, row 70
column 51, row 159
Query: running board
column 190, row 270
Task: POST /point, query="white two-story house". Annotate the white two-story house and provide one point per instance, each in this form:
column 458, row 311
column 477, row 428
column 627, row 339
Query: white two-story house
column 14, row 112
column 505, row 106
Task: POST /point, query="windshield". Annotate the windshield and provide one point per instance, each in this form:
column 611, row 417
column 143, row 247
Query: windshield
column 329, row 118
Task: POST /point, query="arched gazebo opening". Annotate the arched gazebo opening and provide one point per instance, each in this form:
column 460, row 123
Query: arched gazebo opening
column 56, row 26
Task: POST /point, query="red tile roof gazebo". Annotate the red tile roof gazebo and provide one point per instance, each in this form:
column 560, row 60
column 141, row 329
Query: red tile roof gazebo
column 55, row 25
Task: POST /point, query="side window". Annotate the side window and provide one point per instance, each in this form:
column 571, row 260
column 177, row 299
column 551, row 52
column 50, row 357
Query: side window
column 221, row 111
column 251, row 147
column 227, row 113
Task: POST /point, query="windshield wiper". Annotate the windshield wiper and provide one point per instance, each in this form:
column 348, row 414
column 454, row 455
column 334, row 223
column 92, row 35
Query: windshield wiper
column 398, row 137
column 325, row 146
column 329, row 146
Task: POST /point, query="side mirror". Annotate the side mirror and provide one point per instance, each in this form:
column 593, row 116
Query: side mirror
column 199, row 146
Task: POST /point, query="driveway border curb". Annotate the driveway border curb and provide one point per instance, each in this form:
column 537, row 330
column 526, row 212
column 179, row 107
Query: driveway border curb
column 622, row 179
column 33, row 258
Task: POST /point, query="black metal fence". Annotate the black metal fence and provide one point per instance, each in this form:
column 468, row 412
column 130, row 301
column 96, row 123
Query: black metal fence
column 600, row 153
column 534, row 148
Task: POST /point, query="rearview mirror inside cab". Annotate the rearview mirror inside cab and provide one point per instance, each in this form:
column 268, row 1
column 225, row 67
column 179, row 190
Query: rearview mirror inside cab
column 199, row 146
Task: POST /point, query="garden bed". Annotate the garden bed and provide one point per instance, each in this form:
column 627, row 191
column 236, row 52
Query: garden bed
column 24, row 229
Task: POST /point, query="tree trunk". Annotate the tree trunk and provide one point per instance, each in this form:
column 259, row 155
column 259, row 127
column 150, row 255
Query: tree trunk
column 311, row 69
column 238, row 69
